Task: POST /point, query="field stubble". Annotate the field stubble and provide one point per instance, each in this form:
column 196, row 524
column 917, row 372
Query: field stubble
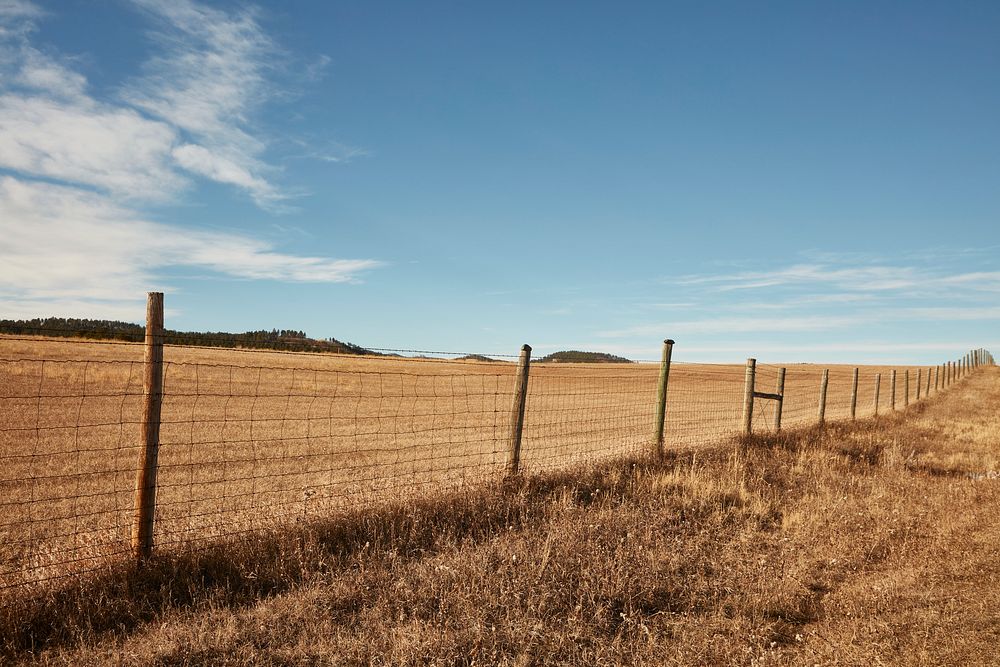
column 253, row 440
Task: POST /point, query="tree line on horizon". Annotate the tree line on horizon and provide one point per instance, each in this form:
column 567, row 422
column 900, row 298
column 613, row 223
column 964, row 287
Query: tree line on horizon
column 274, row 339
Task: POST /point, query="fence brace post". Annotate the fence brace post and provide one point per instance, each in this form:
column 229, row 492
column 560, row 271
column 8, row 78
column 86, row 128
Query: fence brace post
column 152, row 400
column 824, row 381
column 661, row 396
column 854, row 394
column 779, row 389
column 517, row 411
column 748, row 389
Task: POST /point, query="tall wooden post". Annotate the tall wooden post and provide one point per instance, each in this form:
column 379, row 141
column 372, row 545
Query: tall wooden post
column 661, row 396
column 919, row 379
column 823, row 383
column 878, row 381
column 892, row 390
column 906, row 388
column 927, row 389
column 517, row 411
column 152, row 400
column 937, row 377
column 779, row 389
column 748, row 390
column 854, row 394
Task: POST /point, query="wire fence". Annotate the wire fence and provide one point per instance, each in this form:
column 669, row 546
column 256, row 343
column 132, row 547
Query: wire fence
column 250, row 440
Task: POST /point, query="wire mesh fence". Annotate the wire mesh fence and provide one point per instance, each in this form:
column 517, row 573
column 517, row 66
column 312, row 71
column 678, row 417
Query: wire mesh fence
column 255, row 439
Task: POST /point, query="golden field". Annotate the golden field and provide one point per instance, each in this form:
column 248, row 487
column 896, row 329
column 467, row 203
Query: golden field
column 252, row 439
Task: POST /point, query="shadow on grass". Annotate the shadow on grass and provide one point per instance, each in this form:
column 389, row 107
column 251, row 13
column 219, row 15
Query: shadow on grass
column 243, row 570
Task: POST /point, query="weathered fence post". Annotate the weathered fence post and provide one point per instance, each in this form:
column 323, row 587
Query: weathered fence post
column 748, row 389
column 779, row 389
column 937, row 376
column 919, row 379
column 517, row 411
column 152, row 400
column 878, row 381
column 906, row 388
column 854, row 394
column 927, row 389
column 892, row 390
column 661, row 396
column 824, row 381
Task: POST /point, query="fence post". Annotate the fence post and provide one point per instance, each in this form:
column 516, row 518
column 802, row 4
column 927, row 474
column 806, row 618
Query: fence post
column 748, row 390
column 878, row 381
column 937, row 376
column 919, row 380
column 779, row 389
column 906, row 388
column 854, row 394
column 152, row 399
column 927, row 389
column 824, row 381
column 892, row 390
column 661, row 395
column 517, row 412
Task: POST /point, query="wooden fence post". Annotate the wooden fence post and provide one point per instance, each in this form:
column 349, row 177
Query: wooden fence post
column 823, row 383
column 779, row 389
column 927, row 389
column 661, row 395
column 878, row 381
column 517, row 411
column 906, row 388
column 919, row 379
column 152, row 400
column 892, row 390
column 854, row 394
column 937, row 377
column 748, row 389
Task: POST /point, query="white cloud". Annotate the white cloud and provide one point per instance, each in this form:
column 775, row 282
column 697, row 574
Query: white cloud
column 74, row 239
column 84, row 142
column 863, row 278
column 208, row 82
column 66, row 245
column 202, row 161
column 734, row 325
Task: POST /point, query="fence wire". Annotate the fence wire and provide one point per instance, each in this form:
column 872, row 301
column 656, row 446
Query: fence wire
column 256, row 439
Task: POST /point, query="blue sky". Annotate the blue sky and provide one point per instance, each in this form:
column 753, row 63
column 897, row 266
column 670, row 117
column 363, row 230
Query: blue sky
column 795, row 181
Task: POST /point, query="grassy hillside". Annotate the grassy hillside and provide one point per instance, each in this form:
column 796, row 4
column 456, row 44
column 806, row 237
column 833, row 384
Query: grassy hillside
column 577, row 357
column 873, row 543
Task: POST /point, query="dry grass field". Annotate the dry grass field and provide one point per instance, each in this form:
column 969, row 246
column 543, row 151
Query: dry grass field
column 253, row 440
column 866, row 543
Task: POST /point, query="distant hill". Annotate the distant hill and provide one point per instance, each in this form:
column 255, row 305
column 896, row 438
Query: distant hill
column 275, row 339
column 475, row 357
column 577, row 357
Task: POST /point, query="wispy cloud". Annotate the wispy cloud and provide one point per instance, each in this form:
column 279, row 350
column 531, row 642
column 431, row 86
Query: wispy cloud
column 208, row 82
column 73, row 245
column 734, row 325
column 863, row 278
column 80, row 167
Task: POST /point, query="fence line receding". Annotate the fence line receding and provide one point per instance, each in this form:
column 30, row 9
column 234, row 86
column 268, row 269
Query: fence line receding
column 115, row 449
